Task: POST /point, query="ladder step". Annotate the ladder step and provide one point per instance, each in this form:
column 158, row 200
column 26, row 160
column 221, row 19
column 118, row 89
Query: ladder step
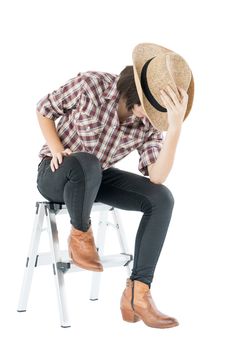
column 65, row 263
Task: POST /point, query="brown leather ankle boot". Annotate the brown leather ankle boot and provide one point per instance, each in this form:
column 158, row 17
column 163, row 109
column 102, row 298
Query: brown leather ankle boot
column 137, row 303
column 82, row 249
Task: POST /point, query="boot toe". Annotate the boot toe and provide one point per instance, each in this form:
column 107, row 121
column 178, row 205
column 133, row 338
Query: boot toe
column 98, row 267
column 173, row 322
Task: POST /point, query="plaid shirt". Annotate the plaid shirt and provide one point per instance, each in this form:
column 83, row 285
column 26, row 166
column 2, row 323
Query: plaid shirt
column 87, row 105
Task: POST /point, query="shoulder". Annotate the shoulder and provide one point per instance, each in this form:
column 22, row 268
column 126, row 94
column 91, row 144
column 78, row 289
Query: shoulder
column 97, row 84
column 99, row 77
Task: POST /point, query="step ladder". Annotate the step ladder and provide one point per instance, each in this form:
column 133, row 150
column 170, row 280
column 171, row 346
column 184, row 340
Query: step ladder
column 60, row 260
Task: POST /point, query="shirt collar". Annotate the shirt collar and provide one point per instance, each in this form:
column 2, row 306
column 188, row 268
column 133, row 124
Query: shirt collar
column 146, row 122
column 111, row 91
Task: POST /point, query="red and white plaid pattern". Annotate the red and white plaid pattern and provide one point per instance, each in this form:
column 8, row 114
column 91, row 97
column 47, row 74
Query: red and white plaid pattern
column 87, row 105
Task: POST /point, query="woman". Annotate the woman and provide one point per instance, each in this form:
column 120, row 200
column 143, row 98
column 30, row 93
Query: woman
column 103, row 120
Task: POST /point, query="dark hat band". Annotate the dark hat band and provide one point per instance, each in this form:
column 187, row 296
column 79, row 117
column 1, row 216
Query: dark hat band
column 146, row 89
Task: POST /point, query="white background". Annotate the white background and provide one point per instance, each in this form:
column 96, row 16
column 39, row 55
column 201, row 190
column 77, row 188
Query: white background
column 45, row 43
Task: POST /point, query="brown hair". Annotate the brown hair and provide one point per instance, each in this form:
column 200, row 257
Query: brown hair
column 127, row 88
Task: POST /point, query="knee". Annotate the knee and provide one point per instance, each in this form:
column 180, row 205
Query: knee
column 162, row 197
column 87, row 163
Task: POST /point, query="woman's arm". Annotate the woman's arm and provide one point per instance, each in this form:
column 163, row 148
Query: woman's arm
column 159, row 170
column 176, row 108
column 49, row 132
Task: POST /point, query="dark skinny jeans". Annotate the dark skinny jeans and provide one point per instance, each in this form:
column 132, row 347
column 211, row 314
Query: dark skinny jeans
column 80, row 181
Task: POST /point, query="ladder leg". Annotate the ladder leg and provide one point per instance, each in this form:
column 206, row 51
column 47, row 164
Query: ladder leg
column 121, row 237
column 100, row 240
column 58, row 274
column 32, row 256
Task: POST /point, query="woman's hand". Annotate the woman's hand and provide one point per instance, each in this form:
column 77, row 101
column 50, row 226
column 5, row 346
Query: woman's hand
column 176, row 107
column 58, row 156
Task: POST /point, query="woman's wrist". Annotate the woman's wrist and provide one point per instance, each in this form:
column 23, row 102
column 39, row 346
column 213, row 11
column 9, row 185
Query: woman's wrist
column 174, row 129
column 57, row 150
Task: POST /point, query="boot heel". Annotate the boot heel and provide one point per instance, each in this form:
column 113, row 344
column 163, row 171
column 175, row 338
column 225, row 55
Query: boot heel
column 129, row 315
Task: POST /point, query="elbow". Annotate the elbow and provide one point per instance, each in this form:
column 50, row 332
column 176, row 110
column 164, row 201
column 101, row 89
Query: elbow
column 158, row 180
column 38, row 114
column 156, row 176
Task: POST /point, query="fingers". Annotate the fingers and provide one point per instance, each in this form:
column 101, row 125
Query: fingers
column 183, row 94
column 173, row 95
column 52, row 166
column 56, row 160
column 67, row 151
column 166, row 100
column 181, row 90
column 59, row 156
column 170, row 99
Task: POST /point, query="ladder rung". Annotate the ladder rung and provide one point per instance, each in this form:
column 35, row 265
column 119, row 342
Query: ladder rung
column 106, row 260
column 121, row 259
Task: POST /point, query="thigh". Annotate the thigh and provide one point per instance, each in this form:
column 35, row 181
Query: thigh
column 125, row 190
column 51, row 183
column 81, row 168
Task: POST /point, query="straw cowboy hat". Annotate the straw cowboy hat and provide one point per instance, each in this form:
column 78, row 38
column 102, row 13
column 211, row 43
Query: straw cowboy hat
column 155, row 67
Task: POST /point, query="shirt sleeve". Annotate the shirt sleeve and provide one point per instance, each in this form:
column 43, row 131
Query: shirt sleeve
column 149, row 151
column 56, row 103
